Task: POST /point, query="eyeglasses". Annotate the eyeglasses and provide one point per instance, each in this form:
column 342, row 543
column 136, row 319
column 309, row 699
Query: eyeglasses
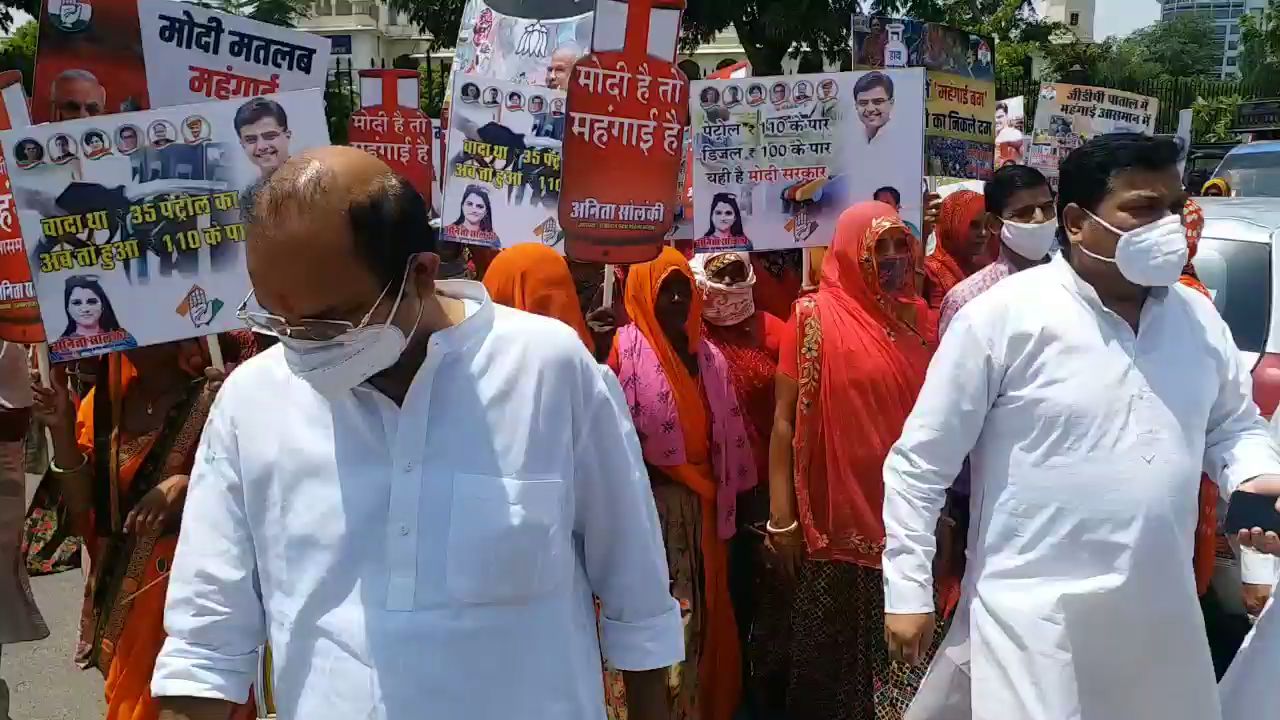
column 307, row 329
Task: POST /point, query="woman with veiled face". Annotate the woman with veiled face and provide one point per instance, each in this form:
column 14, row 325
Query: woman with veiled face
column 851, row 364
column 695, row 444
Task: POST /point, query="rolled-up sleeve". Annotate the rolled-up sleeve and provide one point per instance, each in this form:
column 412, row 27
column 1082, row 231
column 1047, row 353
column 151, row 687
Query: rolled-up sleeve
column 213, row 612
column 943, row 426
column 622, row 546
column 1238, row 444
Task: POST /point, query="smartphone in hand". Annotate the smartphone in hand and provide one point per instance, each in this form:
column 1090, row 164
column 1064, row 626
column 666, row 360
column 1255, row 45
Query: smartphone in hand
column 1247, row 510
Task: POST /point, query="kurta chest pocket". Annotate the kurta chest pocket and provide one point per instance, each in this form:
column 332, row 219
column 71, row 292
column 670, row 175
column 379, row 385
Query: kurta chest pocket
column 506, row 540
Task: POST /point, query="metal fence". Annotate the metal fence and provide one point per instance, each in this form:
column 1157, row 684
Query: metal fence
column 1174, row 95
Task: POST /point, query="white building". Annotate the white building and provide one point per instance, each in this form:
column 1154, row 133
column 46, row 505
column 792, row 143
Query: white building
column 1226, row 23
column 365, row 33
column 1077, row 15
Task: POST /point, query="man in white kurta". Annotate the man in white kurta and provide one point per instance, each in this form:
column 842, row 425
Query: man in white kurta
column 419, row 510
column 1086, row 438
column 1249, row 690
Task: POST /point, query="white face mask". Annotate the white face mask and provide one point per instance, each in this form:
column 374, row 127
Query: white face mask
column 1152, row 255
column 1032, row 241
column 340, row 365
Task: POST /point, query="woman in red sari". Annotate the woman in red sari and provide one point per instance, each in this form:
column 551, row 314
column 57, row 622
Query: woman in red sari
column 963, row 245
column 851, row 365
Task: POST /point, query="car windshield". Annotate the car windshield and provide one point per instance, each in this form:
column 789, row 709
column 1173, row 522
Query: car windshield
column 1238, row 276
column 1254, row 174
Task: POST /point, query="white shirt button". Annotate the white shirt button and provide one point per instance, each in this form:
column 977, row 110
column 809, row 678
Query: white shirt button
column 404, row 530
column 408, row 467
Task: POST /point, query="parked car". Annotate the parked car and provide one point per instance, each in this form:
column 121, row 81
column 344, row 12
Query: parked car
column 1236, row 262
column 1252, row 169
column 1202, row 160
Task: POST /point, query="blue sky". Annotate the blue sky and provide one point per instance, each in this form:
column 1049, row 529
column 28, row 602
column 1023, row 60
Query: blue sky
column 1121, row 17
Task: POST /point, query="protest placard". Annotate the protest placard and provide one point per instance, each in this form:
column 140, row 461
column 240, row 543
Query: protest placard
column 440, row 148
column 1067, row 116
column 132, row 223
column 682, row 229
column 502, row 177
column 1011, row 134
column 777, row 159
column 628, row 111
column 19, row 312
column 523, row 42
column 391, row 126
column 88, row 61
column 961, row 91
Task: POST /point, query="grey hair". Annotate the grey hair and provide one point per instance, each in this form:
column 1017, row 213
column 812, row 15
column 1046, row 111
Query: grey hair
column 569, row 46
column 74, row 74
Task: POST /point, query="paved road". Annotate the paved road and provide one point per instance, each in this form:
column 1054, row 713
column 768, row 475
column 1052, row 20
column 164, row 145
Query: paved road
column 43, row 682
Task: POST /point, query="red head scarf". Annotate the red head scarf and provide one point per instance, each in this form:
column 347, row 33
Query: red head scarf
column 534, row 278
column 873, row 363
column 953, row 260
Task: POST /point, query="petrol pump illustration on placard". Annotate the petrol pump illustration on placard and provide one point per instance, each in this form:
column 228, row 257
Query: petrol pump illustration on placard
column 628, row 111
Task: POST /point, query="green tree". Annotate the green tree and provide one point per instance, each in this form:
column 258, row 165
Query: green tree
column 276, row 12
column 19, row 52
column 1183, row 47
column 1211, row 120
column 1180, row 48
column 1260, row 44
column 772, row 30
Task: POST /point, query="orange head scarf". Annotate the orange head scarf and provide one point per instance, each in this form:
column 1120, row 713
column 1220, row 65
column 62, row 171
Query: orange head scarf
column 953, row 259
column 643, row 282
column 719, row 668
column 873, row 363
column 534, row 278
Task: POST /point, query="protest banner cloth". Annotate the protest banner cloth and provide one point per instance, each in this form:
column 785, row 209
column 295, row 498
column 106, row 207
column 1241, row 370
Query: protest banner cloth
column 1067, row 116
column 777, row 159
column 502, row 178
column 88, row 63
column 132, row 223
column 391, row 126
column 19, row 312
column 1011, row 134
column 961, row 101
column 627, row 117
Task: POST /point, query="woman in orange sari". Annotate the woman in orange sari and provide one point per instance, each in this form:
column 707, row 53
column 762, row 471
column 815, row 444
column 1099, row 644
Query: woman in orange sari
column 850, row 368
column 699, row 458
column 963, row 245
column 123, row 463
column 534, row 278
